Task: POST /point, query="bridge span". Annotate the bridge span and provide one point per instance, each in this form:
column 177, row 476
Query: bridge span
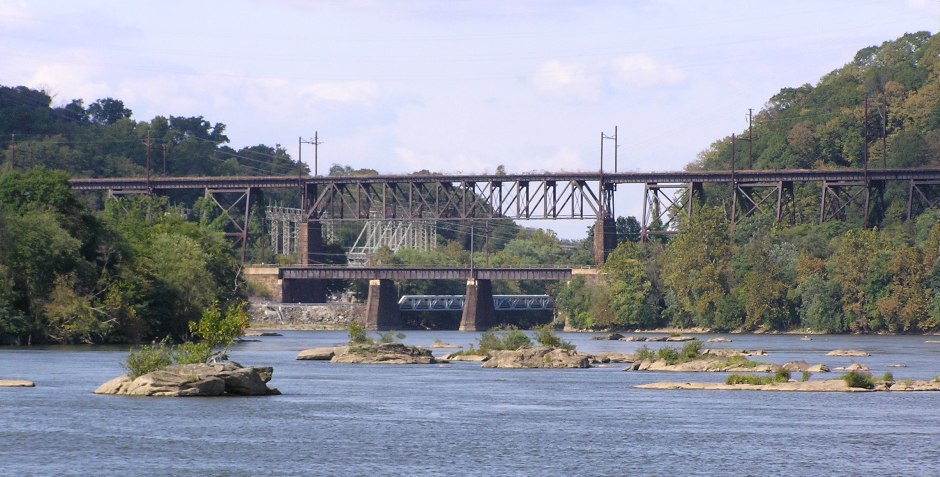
column 564, row 195
column 303, row 284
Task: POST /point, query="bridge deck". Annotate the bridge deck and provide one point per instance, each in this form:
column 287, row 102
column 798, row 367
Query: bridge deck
column 421, row 273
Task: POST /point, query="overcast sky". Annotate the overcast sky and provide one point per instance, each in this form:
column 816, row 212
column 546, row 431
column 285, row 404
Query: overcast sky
column 450, row 86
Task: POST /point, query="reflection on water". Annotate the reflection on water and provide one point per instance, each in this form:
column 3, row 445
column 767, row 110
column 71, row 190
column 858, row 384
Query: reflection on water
column 460, row 419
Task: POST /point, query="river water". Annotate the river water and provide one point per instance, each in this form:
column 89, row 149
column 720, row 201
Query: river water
column 460, row 419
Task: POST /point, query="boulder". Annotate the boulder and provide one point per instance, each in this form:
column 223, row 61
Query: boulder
column 386, row 353
column 612, row 358
column 609, row 336
column 680, row 338
column 16, row 383
column 727, row 352
column 854, row 367
column 184, row 380
column 804, row 367
column 718, row 339
column 476, row 358
column 848, row 352
column 321, row 354
column 537, row 358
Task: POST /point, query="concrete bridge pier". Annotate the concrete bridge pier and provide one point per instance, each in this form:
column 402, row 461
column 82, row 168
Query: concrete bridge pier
column 478, row 311
column 382, row 311
column 605, row 239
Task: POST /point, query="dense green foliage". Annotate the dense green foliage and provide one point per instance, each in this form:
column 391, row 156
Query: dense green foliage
column 133, row 273
column 837, row 276
column 755, row 380
column 859, row 380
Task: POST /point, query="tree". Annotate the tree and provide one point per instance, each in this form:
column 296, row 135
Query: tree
column 107, row 111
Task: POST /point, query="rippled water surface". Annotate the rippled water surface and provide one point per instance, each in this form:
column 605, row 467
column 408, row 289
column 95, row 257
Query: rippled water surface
column 459, row 419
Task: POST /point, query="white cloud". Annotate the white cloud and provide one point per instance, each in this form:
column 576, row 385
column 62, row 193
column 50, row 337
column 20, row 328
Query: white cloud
column 567, row 81
column 16, row 14
column 362, row 92
column 641, row 70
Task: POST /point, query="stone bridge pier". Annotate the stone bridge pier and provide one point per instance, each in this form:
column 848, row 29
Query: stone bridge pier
column 382, row 312
column 478, row 311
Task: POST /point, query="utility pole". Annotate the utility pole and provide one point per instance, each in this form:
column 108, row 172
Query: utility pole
column 148, row 142
column 164, row 159
column 750, row 138
column 614, row 137
column 865, row 151
column 884, row 132
column 316, row 146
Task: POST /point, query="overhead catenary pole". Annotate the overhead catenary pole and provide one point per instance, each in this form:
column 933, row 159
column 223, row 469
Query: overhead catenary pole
column 148, row 143
column 316, row 143
column 750, row 138
column 164, row 158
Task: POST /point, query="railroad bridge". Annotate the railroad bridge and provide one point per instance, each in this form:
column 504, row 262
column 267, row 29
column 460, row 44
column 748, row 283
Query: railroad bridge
column 301, row 284
column 583, row 195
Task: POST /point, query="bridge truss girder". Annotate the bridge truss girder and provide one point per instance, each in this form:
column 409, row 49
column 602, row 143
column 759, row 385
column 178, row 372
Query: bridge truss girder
column 540, row 198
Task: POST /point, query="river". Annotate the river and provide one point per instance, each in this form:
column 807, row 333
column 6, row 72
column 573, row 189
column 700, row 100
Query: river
column 459, row 419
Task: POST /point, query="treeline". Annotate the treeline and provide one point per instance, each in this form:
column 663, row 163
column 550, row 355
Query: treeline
column 135, row 272
column 837, row 276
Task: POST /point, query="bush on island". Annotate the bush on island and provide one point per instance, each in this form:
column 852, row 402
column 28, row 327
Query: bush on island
column 214, row 330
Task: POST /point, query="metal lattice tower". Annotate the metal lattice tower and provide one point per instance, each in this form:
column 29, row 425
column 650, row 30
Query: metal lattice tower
column 394, row 234
column 284, row 226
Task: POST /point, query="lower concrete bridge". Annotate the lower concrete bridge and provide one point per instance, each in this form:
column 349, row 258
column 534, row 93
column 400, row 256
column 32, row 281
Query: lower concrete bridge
column 383, row 312
column 409, row 303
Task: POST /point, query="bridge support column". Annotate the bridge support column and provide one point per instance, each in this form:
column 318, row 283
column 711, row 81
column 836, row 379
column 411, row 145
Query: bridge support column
column 302, row 290
column 605, row 239
column 478, row 311
column 310, row 243
column 382, row 311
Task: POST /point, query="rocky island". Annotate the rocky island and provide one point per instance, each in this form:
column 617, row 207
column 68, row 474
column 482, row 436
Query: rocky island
column 227, row 378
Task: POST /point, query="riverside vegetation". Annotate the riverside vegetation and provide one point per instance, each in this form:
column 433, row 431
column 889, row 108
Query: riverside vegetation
column 135, row 270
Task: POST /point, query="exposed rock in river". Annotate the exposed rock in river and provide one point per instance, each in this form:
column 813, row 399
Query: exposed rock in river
column 828, row 385
column 537, row 358
column 848, row 352
column 385, row 353
column 609, row 336
column 322, row 354
column 183, row 380
column 16, row 383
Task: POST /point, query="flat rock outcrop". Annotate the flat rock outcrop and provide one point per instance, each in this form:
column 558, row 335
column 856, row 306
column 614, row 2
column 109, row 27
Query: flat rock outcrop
column 804, row 367
column 537, row 358
column 612, row 357
column 704, row 365
column 827, row 385
column 609, row 336
column 16, row 383
column 322, row 354
column 854, row 353
column 386, row 353
column 475, row 358
column 185, row 380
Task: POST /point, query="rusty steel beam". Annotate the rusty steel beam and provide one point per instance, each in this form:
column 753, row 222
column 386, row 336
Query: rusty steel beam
column 326, row 272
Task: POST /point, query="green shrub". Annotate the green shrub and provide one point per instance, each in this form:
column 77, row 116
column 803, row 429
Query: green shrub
column 887, row 377
column 668, row 354
column 218, row 329
column 148, row 358
column 691, row 350
column 859, row 380
column 805, row 377
column 644, row 353
column 739, row 361
column 755, row 380
column 506, row 339
column 358, row 335
column 192, row 353
column 545, row 336
column 751, row 379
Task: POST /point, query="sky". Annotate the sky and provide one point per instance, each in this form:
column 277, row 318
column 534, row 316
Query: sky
column 451, row 86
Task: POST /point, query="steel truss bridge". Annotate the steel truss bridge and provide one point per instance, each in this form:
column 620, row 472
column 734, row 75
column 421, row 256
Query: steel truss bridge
column 581, row 195
column 456, row 302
